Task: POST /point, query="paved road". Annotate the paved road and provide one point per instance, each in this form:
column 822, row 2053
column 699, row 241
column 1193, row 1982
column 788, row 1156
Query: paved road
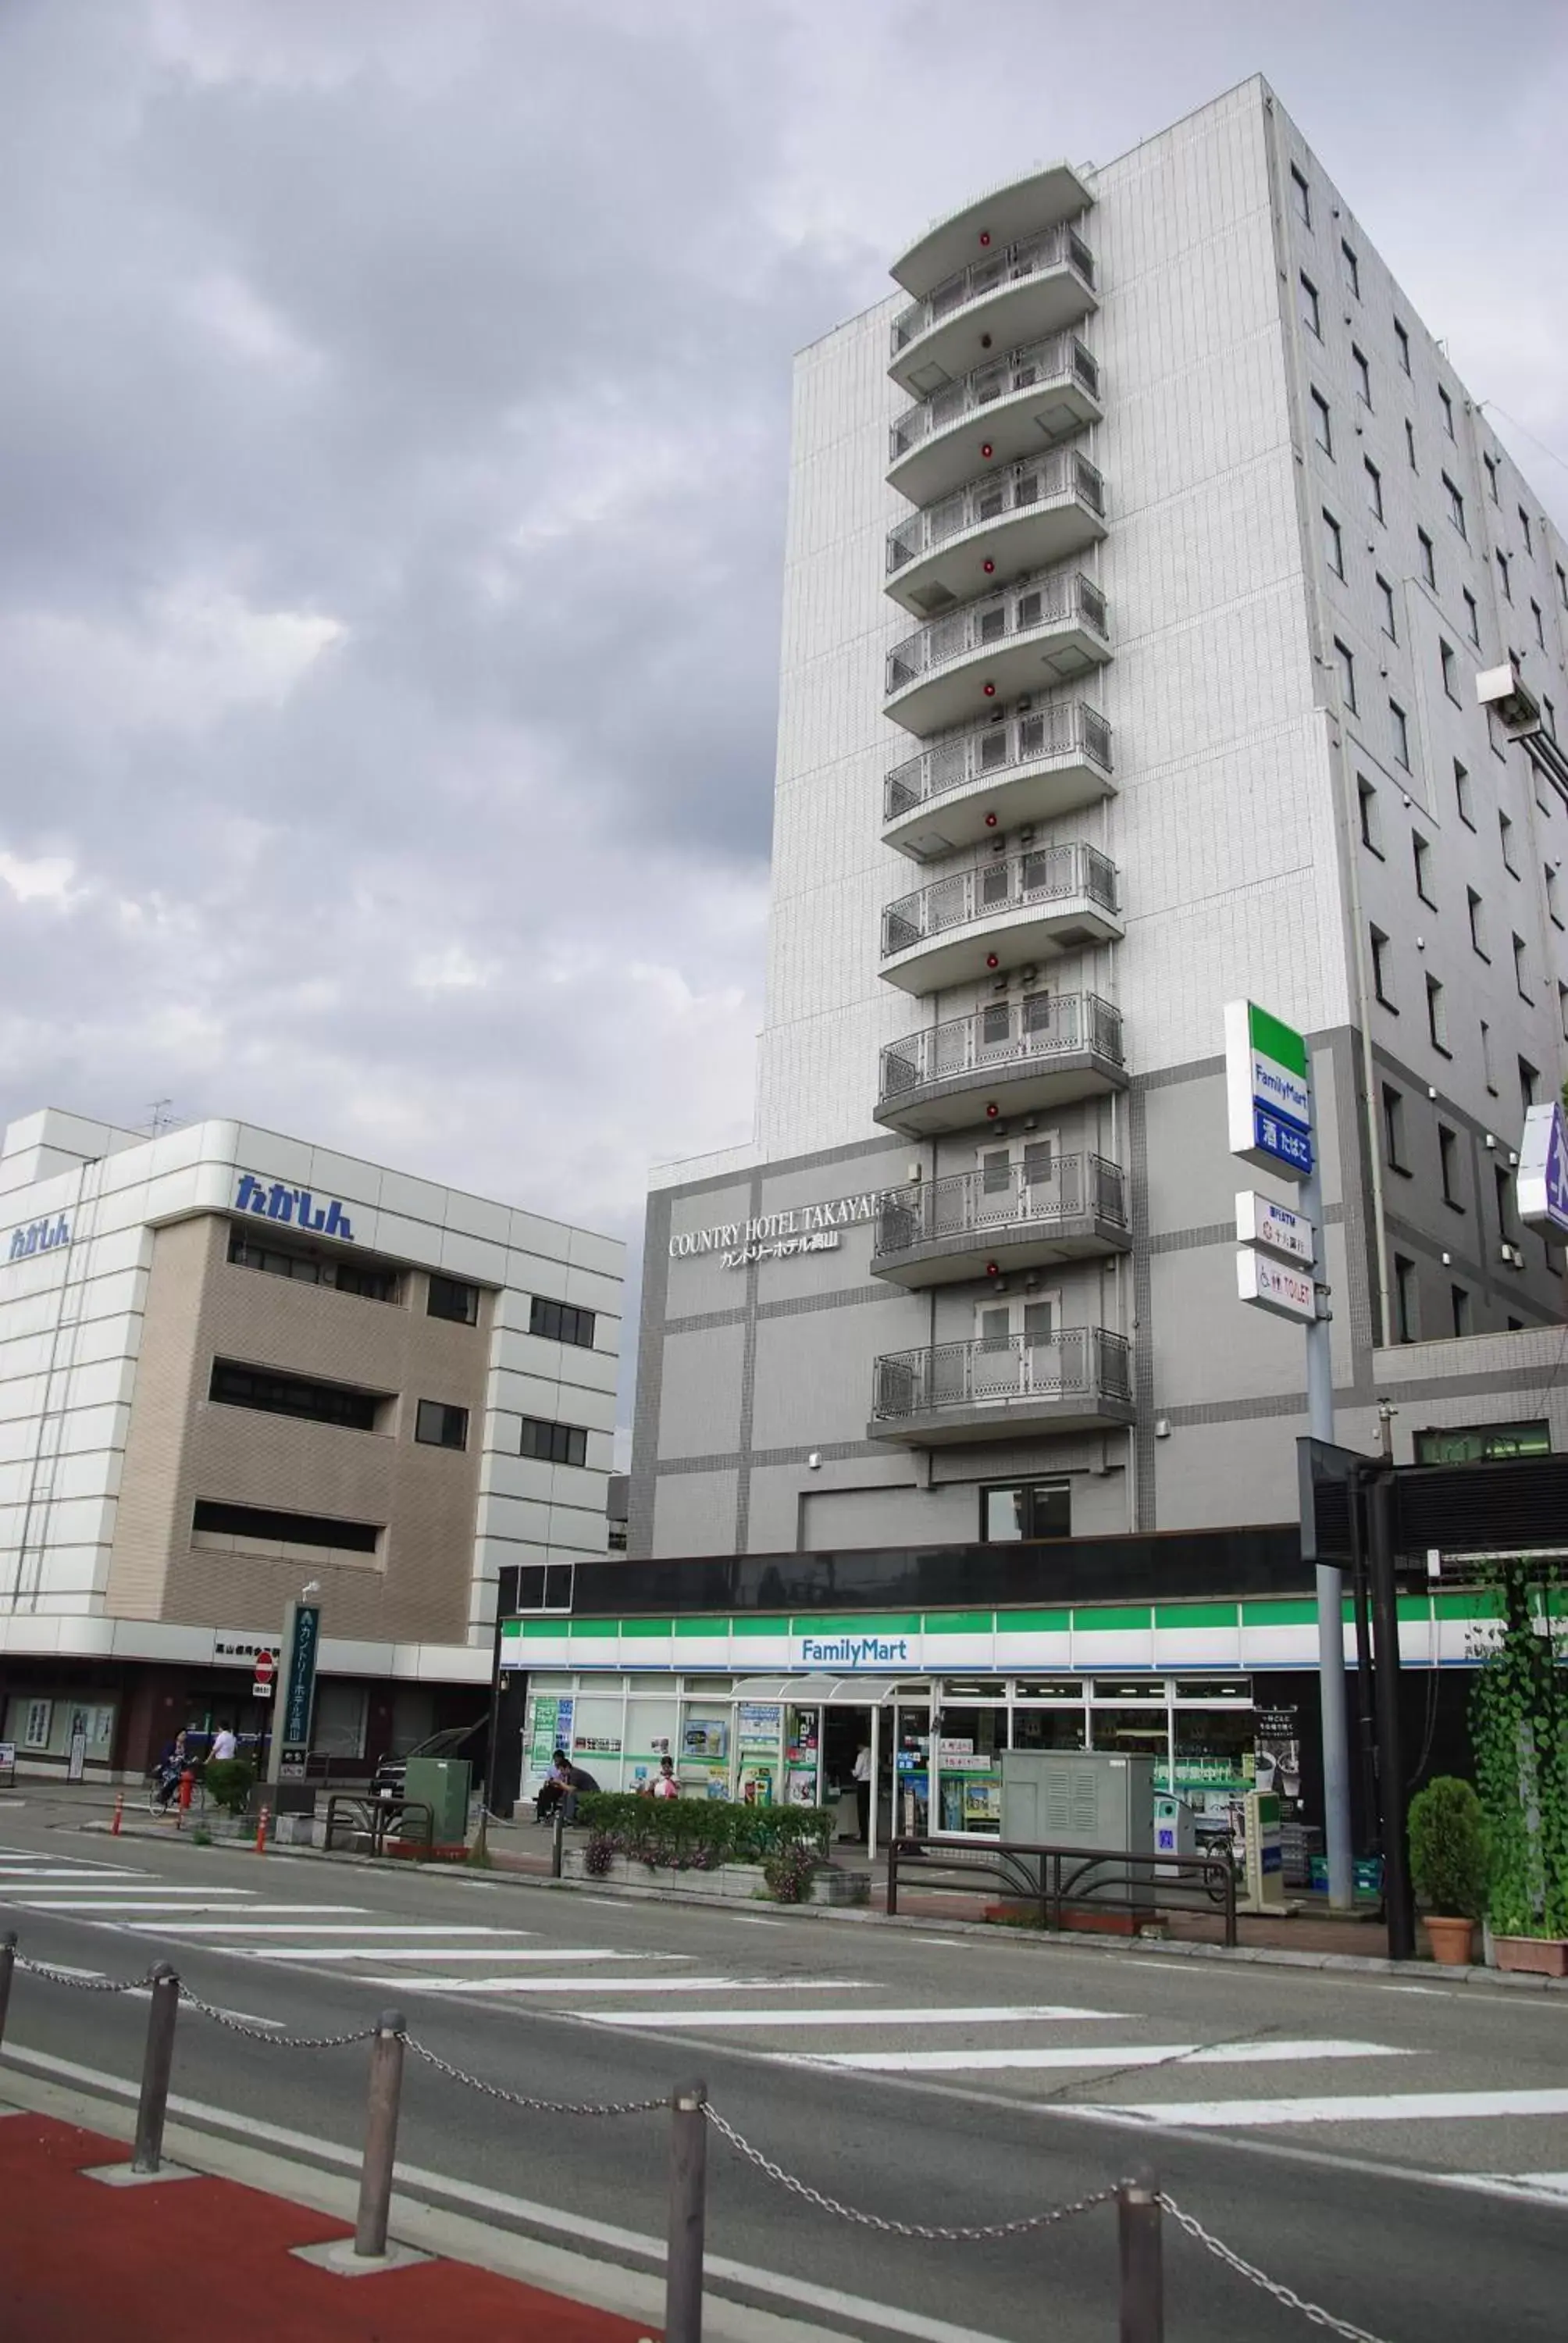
column 1396, row 2150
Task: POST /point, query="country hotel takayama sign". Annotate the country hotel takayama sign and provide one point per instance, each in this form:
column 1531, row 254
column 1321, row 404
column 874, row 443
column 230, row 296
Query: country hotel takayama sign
column 776, row 1236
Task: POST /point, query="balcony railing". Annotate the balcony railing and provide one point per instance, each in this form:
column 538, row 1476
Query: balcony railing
column 1014, row 883
column 1066, row 728
column 1059, row 357
column 1086, row 1364
column 1026, row 608
column 1043, row 1026
column 1061, row 472
column 1057, row 247
column 1042, row 1195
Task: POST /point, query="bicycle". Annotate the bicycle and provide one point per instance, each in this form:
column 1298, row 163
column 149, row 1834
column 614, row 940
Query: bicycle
column 164, row 1791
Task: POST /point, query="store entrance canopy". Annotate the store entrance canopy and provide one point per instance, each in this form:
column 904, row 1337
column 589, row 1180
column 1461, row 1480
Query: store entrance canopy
column 830, row 1692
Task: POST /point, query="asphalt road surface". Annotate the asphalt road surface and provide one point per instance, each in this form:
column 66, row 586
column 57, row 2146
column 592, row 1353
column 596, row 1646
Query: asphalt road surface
column 1396, row 2150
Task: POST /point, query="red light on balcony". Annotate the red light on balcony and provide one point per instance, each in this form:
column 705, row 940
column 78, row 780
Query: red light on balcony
column 992, row 960
column 993, row 1111
column 988, row 690
column 985, row 341
column 986, row 450
column 989, row 566
column 993, row 1269
column 985, row 237
column 990, row 821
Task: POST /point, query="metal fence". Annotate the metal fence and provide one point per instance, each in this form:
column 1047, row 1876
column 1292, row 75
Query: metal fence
column 1029, row 607
column 1058, row 476
column 1062, row 1883
column 1087, row 1362
column 1056, row 247
column 1059, row 357
column 1067, row 728
column 1010, row 882
column 1009, row 1037
column 1037, row 1194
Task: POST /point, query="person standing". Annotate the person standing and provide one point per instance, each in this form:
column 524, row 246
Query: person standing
column 223, row 1744
column 862, row 1771
column 664, row 1784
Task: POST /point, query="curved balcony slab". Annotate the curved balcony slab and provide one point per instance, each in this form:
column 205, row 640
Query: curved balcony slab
column 977, row 1224
column 990, row 223
column 1014, row 521
column 1016, row 1057
column 1038, row 286
column 961, row 668
column 1000, row 414
column 1032, row 906
column 1079, row 1381
column 1028, row 767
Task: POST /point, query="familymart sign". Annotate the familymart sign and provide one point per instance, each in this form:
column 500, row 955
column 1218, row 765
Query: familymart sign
column 1268, row 1091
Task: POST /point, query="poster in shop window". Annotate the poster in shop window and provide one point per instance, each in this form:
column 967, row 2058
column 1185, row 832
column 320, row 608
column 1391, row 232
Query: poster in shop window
column 1277, row 1739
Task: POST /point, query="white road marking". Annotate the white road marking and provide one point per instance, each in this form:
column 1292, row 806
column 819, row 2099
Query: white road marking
column 1394, row 2106
column 568, row 1986
column 1130, row 2054
column 863, row 2017
column 63, row 1968
column 247, row 1927
column 949, row 1943
column 198, row 1927
column 436, row 1953
column 118, row 1899
column 758, row 1923
column 20, row 1873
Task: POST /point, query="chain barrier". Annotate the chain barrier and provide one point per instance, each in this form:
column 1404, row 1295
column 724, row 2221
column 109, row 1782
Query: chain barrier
column 536, row 2106
column 803, row 2190
column 1312, row 2312
column 84, row 1984
column 233, row 2025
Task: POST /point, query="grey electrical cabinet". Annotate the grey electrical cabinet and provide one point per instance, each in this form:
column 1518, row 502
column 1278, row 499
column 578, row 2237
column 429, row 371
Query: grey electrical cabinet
column 1078, row 1798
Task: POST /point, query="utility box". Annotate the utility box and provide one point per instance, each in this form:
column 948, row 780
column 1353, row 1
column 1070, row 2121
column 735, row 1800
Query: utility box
column 1173, row 1830
column 1078, row 1798
column 443, row 1784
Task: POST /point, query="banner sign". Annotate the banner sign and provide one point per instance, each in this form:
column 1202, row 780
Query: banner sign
column 1288, row 1292
column 293, row 1726
column 1540, row 1189
column 1268, row 1091
column 1260, row 1221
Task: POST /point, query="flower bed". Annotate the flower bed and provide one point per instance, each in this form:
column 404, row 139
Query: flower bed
column 681, row 1836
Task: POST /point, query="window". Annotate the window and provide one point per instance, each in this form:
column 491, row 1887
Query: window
column 1477, row 921
column 1371, row 830
column 1029, row 1509
column 1404, row 1298
column 1563, row 586
column 1300, row 197
column 1528, row 1084
column 1450, row 673
column 1501, row 1183
column 436, row 1425
column 1393, row 1127
column 1420, row 849
column 557, row 1321
column 1461, row 795
column 1484, row 1443
column 1553, row 903
column 1505, row 839
column 1472, row 616
column 548, row 1588
column 1562, row 1009
column 1520, row 968
column 1448, row 1161
column 1428, row 558
column 1381, row 967
column 1364, row 377
column 1322, row 431
column 1548, row 717
column 1374, row 488
column 1307, row 302
column 1401, row 734
column 1385, row 604
column 1446, row 403
column 1455, row 504
column 1459, row 1302
column 1524, row 532
column 368, row 1280
column 1539, row 624
column 1347, row 674
column 235, row 1385
column 1486, row 1056
column 40, row 1719
column 1495, row 736
column 1401, row 342
column 1410, row 444
column 449, row 1299
column 1437, row 1016
column 1353, row 269
column 1502, row 578
column 223, row 1522
column 1334, row 543
column 1491, row 463
column 553, row 1444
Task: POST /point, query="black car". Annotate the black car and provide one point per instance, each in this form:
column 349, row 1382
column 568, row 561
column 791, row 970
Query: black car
column 458, row 1741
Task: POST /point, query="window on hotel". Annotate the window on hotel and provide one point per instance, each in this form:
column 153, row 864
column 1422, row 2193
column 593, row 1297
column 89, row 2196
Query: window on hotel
column 557, row 1321
column 437, row 1425
column 1025, row 1510
column 553, row 1444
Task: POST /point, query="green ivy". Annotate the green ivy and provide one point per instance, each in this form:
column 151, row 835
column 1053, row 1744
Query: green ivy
column 1519, row 1725
column 699, row 1833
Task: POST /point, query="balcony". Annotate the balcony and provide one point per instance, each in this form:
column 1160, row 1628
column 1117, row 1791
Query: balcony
column 1078, row 1380
column 1019, row 1056
column 957, row 670
column 1050, row 390
column 991, row 221
column 1018, row 769
column 1003, row 1217
column 1004, row 300
column 1022, row 907
column 1009, row 523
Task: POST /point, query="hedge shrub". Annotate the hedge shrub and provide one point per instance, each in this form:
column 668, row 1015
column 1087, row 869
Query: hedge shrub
column 699, row 1833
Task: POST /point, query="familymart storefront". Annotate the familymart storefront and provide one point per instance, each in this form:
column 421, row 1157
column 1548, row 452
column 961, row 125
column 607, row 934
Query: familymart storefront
column 1222, row 1694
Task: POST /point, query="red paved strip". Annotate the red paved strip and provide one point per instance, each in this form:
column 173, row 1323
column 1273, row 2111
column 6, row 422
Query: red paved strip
column 143, row 2265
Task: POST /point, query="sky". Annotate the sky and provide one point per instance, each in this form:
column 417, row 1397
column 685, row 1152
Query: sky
column 393, row 446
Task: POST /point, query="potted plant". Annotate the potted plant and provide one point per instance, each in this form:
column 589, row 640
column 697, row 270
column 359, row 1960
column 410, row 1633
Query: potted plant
column 1519, row 1727
column 1448, row 1865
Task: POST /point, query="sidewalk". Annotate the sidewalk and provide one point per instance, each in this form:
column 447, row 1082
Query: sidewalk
column 143, row 2263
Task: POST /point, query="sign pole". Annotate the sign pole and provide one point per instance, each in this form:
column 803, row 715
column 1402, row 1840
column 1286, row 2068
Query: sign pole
column 280, row 1696
column 1330, row 1609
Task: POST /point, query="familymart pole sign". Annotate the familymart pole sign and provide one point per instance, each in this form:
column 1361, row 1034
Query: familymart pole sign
column 1268, row 1092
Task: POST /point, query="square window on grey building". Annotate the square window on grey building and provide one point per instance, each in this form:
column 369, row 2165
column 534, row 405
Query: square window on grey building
column 1448, row 1161
column 1446, row 403
column 1374, row 488
column 1563, row 586
column 1025, row 1510
column 557, row 1321
column 1382, row 967
column 1477, row 920
column 1385, row 609
column 1450, row 672
column 1502, row 1184
column 1300, row 197
column 1401, row 734
column 1352, row 267
column 1525, row 532
column 1491, row 463
column 1505, row 839
column 1539, row 624
column 1307, row 300
column 1554, row 900
column 1393, row 1127
column 1405, row 1299
column 1472, row 616
column 1459, row 1301
column 1371, row 830
column 1549, row 717
column 1462, row 796
column 448, row 1297
column 1520, row 968
column 1364, row 377
column 1562, row 1009
column 1486, row 1056
column 1420, row 855
column 437, row 1425
column 1502, row 578
column 1334, row 543
column 1428, row 557
column 1322, row 429
column 1528, row 1084
column 1437, row 1015
column 1401, row 343
column 1455, row 504
column 1410, row 444
column 553, row 1444
column 1347, row 673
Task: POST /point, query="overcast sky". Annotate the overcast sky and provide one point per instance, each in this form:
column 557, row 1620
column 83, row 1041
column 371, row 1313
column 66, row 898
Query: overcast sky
column 392, row 454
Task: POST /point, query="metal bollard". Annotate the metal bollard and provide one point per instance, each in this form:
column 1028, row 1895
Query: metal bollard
column 119, row 1814
column 687, row 2213
column 156, row 2068
column 380, row 2134
column 558, row 1845
column 1142, row 2280
column 261, row 1823
column 8, row 1965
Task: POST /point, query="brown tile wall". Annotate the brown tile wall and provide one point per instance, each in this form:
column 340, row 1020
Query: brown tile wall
column 182, row 1447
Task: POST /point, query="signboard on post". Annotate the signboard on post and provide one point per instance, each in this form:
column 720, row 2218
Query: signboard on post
column 1288, row 1292
column 1260, row 1221
column 266, row 1670
column 1268, row 1091
column 301, row 1636
column 1541, row 1190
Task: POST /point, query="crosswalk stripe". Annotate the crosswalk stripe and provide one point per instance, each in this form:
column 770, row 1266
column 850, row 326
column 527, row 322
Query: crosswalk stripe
column 438, row 1953
column 568, row 1986
column 1393, row 2106
column 18, row 1875
column 87, row 1899
column 1130, row 2054
column 252, row 1927
column 863, row 2017
column 202, row 1927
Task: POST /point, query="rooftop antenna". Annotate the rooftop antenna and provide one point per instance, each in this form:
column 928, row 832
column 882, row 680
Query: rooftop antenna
column 160, row 1117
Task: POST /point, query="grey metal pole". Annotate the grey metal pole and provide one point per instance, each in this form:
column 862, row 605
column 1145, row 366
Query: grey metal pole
column 687, row 2213
column 380, row 2134
column 1138, row 2244
column 557, row 1844
column 156, row 2068
column 1398, row 1901
column 7, row 1964
column 1331, row 1598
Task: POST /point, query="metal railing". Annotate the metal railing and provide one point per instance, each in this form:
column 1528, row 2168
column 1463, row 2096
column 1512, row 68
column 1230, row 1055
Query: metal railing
column 986, row 751
column 1059, row 357
column 1000, row 1199
column 1083, row 1362
column 1010, row 1038
column 1041, row 875
column 1060, row 247
column 1027, row 608
column 1059, row 476
column 372, row 1820
column 1061, row 1880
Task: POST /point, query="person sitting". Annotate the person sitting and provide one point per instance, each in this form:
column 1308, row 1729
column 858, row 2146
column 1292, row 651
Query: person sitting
column 577, row 1784
column 553, row 1788
column 664, row 1784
